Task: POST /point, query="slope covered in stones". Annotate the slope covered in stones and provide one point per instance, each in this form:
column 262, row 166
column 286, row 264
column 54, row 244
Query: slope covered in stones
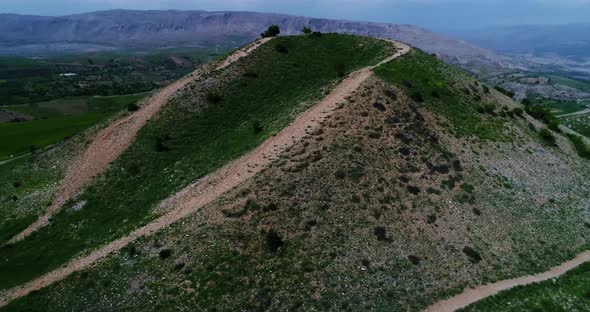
column 422, row 183
column 215, row 119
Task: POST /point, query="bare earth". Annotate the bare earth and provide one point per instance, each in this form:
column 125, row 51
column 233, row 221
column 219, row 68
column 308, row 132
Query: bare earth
column 206, row 190
column 473, row 295
column 113, row 140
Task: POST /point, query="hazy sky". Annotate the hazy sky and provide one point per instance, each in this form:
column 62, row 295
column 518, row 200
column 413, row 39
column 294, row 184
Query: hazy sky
column 435, row 14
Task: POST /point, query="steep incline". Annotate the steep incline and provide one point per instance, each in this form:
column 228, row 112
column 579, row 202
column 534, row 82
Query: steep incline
column 110, row 142
column 211, row 187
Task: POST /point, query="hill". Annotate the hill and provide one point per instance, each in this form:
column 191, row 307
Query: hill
column 320, row 172
column 108, row 30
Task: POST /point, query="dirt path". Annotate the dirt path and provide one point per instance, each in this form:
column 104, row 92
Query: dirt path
column 206, row 190
column 113, row 140
column 481, row 292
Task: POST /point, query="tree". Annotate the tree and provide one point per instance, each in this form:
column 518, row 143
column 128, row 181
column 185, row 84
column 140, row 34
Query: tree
column 272, row 31
column 307, row 30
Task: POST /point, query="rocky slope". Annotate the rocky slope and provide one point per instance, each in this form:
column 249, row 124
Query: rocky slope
column 420, row 183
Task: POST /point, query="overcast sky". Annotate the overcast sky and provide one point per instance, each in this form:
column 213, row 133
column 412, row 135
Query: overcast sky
column 434, row 14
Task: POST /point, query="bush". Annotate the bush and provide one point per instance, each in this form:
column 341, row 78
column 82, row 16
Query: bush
column 161, row 144
column 504, row 91
column 545, row 115
column 473, row 255
column 381, row 234
column 213, row 97
column 547, row 136
column 581, row 147
column 272, row 31
column 281, row 48
column 258, row 127
column 132, row 107
column 417, row 97
column 273, row 240
column 316, row 34
column 486, row 109
column 306, row 30
column 165, row 253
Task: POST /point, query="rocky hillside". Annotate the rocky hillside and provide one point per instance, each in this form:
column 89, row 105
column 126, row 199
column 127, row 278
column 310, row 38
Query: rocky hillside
column 421, row 182
column 115, row 29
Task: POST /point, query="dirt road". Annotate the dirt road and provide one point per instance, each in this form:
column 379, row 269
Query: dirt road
column 481, row 292
column 113, row 140
column 206, row 190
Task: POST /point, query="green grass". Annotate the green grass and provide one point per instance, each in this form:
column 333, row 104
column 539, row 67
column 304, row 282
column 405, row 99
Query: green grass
column 76, row 106
column 560, row 107
column 426, row 76
column 570, row 292
column 580, row 146
column 24, row 137
column 580, row 84
column 580, row 124
column 55, row 121
column 190, row 146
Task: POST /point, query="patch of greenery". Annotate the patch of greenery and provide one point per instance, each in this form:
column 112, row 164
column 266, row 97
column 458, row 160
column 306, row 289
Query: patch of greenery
column 28, row 137
column 581, row 146
column 195, row 144
column 429, row 80
column 570, row 292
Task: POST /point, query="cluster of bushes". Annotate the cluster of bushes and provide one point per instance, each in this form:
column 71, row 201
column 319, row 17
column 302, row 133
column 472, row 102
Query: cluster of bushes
column 504, row 91
column 272, row 31
column 581, row 147
column 545, row 115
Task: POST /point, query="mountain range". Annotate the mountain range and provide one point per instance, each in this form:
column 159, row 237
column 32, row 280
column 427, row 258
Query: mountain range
column 124, row 29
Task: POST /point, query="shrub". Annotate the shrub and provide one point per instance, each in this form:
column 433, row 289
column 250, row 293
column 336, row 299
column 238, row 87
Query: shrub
column 132, row 107
column 486, row 109
column 413, row 189
column 581, row 147
column 547, row 136
column 316, row 34
column 381, row 234
column 161, row 144
column 518, row 111
column 213, row 97
column 415, row 260
column 545, row 115
column 250, row 74
column 258, row 127
column 281, row 48
column 473, row 255
column 306, row 30
column 165, row 253
column 504, row 91
column 431, row 219
column 272, row 31
column 273, row 240
column 417, row 96
column 340, row 67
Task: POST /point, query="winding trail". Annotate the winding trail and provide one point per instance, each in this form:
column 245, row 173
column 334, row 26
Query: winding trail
column 113, row 140
column 209, row 188
column 578, row 113
column 478, row 293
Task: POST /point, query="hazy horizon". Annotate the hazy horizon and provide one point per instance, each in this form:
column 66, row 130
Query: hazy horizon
column 438, row 15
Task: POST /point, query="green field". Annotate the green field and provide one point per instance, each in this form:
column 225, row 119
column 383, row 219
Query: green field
column 276, row 81
column 56, row 121
column 561, row 107
column 24, row 137
column 570, row 292
column 580, row 123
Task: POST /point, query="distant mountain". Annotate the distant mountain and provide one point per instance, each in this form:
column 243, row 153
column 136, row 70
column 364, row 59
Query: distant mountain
column 549, row 44
column 107, row 30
